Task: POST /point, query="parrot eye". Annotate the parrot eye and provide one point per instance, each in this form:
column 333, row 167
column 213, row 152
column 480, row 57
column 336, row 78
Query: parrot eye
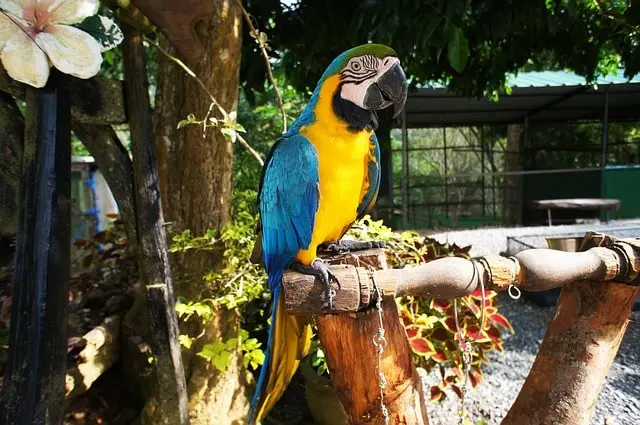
column 356, row 66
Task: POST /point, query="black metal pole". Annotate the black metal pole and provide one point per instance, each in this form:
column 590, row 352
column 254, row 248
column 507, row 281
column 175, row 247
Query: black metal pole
column 405, row 172
column 484, row 198
column 605, row 129
column 33, row 389
column 446, row 174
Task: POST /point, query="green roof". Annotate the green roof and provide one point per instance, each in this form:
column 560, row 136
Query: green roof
column 563, row 78
column 536, row 96
column 553, row 79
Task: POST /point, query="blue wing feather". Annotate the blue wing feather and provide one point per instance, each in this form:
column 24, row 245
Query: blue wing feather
column 288, row 202
column 373, row 175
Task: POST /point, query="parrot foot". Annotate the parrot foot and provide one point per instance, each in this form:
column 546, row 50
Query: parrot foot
column 320, row 269
column 339, row 247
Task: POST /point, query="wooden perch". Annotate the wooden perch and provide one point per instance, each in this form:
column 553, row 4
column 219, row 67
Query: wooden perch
column 578, row 348
column 601, row 286
column 450, row 277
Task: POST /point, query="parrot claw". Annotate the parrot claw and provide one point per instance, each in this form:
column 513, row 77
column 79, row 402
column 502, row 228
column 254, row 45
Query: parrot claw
column 320, row 269
column 340, row 247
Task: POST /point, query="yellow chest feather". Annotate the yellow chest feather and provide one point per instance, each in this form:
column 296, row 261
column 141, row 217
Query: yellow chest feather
column 343, row 166
column 343, row 173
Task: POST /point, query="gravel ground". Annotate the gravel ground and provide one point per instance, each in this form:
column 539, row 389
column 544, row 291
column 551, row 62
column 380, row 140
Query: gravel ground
column 513, row 239
column 619, row 401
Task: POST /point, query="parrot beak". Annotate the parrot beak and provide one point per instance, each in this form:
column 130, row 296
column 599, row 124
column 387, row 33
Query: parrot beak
column 390, row 89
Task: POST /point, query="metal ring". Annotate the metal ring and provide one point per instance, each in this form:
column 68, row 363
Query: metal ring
column 514, row 292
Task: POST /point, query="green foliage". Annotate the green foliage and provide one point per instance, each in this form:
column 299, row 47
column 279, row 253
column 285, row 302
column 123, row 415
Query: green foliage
column 228, row 125
column 262, row 119
column 429, row 322
column 317, row 358
column 187, row 309
column 236, row 283
column 103, row 29
column 483, row 41
column 219, row 353
column 579, row 145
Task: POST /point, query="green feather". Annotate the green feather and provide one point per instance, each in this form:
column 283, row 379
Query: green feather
column 377, row 50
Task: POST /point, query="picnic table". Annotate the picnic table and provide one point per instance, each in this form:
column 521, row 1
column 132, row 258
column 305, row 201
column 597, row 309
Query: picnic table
column 589, row 204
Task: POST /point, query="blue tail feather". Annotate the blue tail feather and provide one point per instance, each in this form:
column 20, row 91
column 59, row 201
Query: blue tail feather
column 274, row 283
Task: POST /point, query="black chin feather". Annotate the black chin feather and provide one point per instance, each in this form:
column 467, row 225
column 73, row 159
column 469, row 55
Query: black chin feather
column 357, row 118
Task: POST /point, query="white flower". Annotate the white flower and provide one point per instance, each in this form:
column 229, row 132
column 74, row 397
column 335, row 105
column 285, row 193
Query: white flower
column 36, row 34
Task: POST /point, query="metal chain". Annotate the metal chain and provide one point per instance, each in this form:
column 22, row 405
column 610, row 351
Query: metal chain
column 466, row 350
column 464, row 343
column 380, row 342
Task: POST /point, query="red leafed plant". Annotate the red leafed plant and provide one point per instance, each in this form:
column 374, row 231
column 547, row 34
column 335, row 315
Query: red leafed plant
column 430, row 323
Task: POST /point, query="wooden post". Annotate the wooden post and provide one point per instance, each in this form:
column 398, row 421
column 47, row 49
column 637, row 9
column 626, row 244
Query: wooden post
column 171, row 397
column 352, row 360
column 33, row 389
column 576, row 353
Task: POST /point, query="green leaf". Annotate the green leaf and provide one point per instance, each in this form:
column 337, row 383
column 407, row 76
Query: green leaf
column 203, row 310
column 221, row 361
column 258, row 356
column 211, row 351
column 431, row 27
column 181, row 309
column 103, row 29
column 458, row 50
column 186, row 341
column 231, row 343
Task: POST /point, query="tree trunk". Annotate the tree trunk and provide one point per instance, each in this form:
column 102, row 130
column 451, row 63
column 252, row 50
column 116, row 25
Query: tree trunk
column 196, row 173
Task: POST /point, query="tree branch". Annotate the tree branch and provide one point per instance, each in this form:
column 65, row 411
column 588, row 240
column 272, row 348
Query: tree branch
column 260, row 39
column 94, row 101
column 451, row 277
column 129, row 13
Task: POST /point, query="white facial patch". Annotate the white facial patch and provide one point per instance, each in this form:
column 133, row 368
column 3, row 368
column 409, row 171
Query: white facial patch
column 358, row 75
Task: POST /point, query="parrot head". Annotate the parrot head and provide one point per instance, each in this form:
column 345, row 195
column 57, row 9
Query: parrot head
column 371, row 78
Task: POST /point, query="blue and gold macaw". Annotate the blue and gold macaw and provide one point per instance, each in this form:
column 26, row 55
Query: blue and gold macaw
column 318, row 179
